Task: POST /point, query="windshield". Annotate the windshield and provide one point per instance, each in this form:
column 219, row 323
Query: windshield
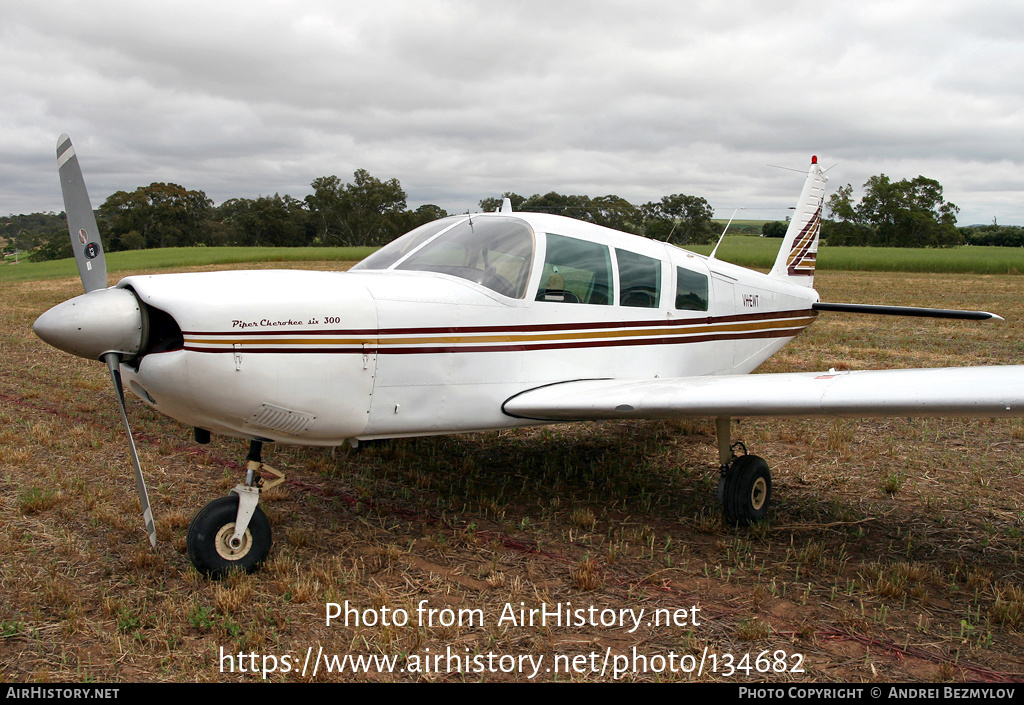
column 400, row 247
column 493, row 251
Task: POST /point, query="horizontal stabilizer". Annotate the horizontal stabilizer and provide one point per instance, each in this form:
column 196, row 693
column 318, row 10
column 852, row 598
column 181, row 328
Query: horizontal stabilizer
column 908, row 311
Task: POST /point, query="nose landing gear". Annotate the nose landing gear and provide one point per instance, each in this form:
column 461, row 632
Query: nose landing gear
column 233, row 533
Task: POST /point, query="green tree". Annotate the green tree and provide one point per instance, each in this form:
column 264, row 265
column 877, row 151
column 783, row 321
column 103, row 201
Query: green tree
column 490, row 205
column 571, row 206
column 56, row 246
column 45, row 233
column 909, row 213
column 844, row 228
column 774, row 228
column 366, row 212
column 680, row 219
column 164, row 215
column 994, row 234
column 267, row 220
column 422, row 215
column 325, row 207
column 615, row 212
column 905, row 213
column 840, row 204
column 610, row 211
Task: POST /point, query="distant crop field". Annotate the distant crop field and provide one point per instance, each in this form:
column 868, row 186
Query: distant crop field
column 760, row 253
column 892, row 552
column 741, row 226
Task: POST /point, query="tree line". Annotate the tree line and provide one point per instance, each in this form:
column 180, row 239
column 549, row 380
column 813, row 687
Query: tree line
column 679, row 219
column 370, row 211
column 366, row 212
column 994, row 234
column 905, row 213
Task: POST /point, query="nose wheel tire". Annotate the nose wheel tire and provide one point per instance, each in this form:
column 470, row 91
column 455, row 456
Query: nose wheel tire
column 209, row 539
column 747, row 490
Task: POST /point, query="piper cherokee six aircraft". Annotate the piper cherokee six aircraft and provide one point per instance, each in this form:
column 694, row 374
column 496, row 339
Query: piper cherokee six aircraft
column 476, row 322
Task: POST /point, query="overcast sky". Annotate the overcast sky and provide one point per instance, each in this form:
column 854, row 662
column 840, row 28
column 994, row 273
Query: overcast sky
column 464, row 100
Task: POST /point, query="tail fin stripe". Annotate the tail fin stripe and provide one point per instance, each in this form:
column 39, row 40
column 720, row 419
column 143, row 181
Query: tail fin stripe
column 801, row 261
column 798, row 253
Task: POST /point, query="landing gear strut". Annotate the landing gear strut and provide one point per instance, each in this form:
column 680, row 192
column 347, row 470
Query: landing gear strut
column 233, row 533
column 745, row 483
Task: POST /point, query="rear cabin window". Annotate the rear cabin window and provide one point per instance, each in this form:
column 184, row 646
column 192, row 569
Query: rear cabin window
column 691, row 290
column 575, row 271
column 639, row 279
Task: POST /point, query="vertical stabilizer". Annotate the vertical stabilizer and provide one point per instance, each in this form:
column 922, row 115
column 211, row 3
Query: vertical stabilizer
column 799, row 250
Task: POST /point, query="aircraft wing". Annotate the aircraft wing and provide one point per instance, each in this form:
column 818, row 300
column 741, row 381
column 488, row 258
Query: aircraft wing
column 958, row 391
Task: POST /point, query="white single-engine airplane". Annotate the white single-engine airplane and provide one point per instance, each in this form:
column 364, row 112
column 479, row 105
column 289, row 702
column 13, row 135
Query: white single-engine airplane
column 476, row 322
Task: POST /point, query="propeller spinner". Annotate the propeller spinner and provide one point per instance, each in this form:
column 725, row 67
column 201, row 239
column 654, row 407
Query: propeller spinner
column 102, row 324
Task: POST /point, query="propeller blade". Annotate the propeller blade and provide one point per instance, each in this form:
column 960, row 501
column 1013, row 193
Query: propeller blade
column 85, row 236
column 109, row 317
column 113, row 361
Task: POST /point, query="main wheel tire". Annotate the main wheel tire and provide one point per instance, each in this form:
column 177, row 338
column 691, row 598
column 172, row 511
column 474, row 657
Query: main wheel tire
column 209, row 534
column 747, row 491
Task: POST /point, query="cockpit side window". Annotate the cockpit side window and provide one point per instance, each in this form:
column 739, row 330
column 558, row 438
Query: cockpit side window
column 639, row 279
column 494, row 251
column 691, row 290
column 575, row 271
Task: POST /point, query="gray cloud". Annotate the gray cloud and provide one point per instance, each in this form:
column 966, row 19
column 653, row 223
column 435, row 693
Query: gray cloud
column 463, row 100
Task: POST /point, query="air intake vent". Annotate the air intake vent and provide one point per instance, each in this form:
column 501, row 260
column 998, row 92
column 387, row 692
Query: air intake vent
column 278, row 418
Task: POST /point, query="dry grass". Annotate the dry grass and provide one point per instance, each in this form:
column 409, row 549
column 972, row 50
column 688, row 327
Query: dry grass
column 892, row 552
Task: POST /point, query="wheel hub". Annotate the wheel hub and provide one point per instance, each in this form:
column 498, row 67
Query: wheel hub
column 758, row 493
column 223, row 543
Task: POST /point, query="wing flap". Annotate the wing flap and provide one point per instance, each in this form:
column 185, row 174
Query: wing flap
column 958, row 391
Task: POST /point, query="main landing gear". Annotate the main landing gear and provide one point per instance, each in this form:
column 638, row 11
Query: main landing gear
column 745, row 483
column 232, row 533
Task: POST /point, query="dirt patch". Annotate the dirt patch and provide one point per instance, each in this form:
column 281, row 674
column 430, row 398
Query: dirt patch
column 892, row 552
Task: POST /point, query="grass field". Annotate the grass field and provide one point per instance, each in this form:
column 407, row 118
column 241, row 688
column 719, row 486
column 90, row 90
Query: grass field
column 179, row 257
column 892, row 553
column 746, row 251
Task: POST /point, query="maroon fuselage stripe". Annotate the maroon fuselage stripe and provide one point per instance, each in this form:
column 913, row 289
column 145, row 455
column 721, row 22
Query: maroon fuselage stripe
column 528, row 328
column 510, row 348
column 469, row 347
